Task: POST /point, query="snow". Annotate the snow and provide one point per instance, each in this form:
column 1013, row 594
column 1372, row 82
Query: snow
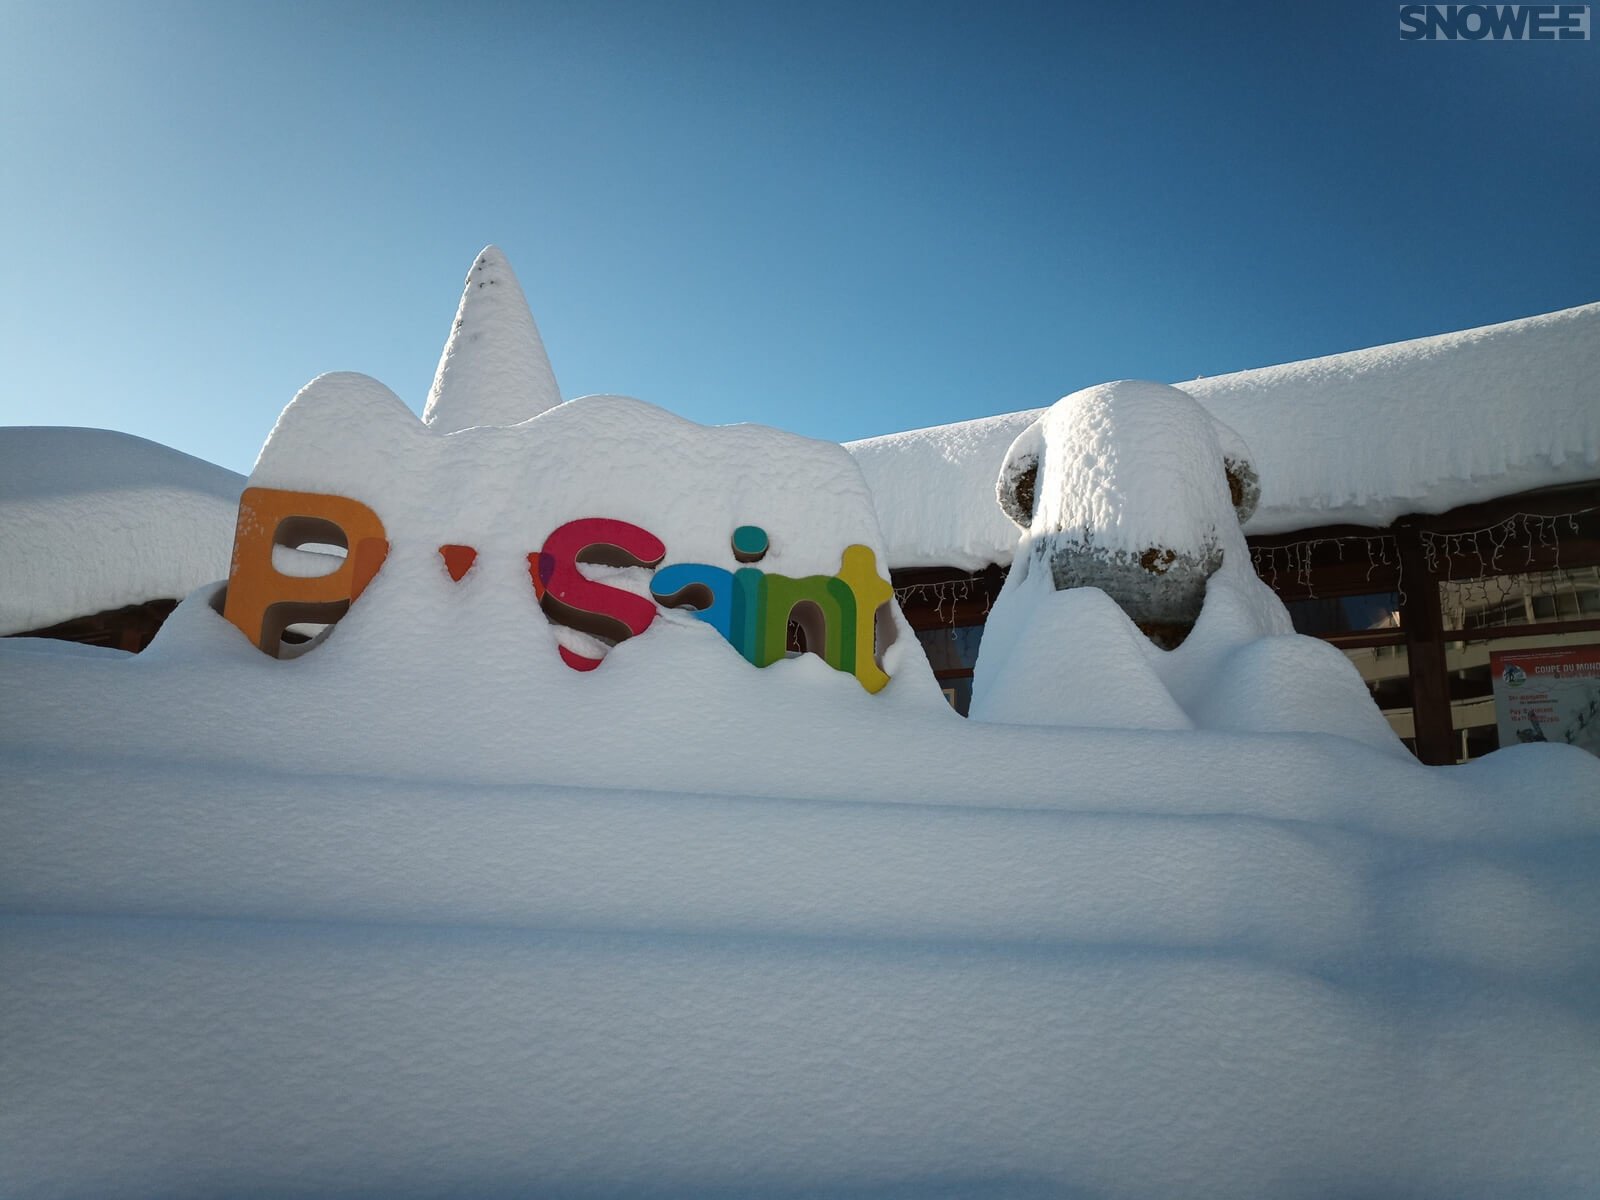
column 1125, row 487
column 92, row 520
column 503, row 489
column 1128, row 465
column 1421, row 426
column 494, row 370
column 423, row 911
column 934, row 490
column 684, row 927
column 495, row 1063
column 1123, row 469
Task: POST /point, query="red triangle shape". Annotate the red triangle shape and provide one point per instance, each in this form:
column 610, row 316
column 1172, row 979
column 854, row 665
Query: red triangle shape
column 458, row 560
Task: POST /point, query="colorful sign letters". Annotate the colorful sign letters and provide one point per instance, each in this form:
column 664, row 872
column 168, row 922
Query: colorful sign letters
column 838, row 616
column 262, row 601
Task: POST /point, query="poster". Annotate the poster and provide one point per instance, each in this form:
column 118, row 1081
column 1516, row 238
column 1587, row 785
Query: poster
column 1548, row 694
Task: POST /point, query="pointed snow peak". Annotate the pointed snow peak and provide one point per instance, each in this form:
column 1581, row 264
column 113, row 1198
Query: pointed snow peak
column 494, row 370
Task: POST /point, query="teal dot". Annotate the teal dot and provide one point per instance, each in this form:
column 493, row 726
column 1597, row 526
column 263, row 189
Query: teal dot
column 750, row 543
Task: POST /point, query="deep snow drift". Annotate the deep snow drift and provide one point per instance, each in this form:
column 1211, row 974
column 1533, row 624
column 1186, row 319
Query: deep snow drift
column 463, row 919
column 425, row 911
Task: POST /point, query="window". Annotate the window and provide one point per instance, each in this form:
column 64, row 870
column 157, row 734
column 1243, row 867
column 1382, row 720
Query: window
column 1331, row 616
column 952, row 653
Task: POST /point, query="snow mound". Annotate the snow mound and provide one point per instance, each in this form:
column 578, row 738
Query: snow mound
column 502, row 489
column 500, row 492
column 1420, row 426
column 92, row 520
column 1126, row 489
column 1074, row 658
column 494, row 369
column 1291, row 684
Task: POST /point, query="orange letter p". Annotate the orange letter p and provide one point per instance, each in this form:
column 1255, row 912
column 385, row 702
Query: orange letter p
column 263, row 600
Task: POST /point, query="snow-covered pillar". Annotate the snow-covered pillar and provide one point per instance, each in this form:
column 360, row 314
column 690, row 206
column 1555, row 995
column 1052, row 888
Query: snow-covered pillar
column 1135, row 489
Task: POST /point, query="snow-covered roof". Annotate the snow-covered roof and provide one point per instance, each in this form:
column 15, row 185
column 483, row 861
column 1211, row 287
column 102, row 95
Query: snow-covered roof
column 1364, row 437
column 92, row 520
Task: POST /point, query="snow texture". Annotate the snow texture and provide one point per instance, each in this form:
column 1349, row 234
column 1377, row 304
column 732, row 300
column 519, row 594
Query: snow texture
column 423, row 912
column 503, row 490
column 682, row 927
column 1416, row 427
column 494, row 370
column 1133, row 465
column 1124, row 487
column 92, row 520
column 934, row 490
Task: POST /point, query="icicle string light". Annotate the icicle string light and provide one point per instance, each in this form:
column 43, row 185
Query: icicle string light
column 1295, row 559
column 1529, row 531
column 1524, row 598
column 949, row 592
column 1494, row 547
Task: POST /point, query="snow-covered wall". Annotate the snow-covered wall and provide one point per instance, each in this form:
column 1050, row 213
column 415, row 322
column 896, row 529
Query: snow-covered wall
column 92, row 520
column 1363, row 437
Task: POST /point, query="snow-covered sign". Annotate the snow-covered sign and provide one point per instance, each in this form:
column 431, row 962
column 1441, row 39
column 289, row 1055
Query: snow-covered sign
column 603, row 512
column 1548, row 694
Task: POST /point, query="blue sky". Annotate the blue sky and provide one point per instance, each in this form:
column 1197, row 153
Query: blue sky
column 841, row 219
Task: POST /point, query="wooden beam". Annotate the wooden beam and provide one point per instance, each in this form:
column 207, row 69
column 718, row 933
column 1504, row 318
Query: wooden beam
column 1544, row 502
column 1423, row 623
column 131, row 628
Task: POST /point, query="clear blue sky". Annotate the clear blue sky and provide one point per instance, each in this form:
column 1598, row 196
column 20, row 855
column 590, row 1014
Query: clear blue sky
column 841, row 219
